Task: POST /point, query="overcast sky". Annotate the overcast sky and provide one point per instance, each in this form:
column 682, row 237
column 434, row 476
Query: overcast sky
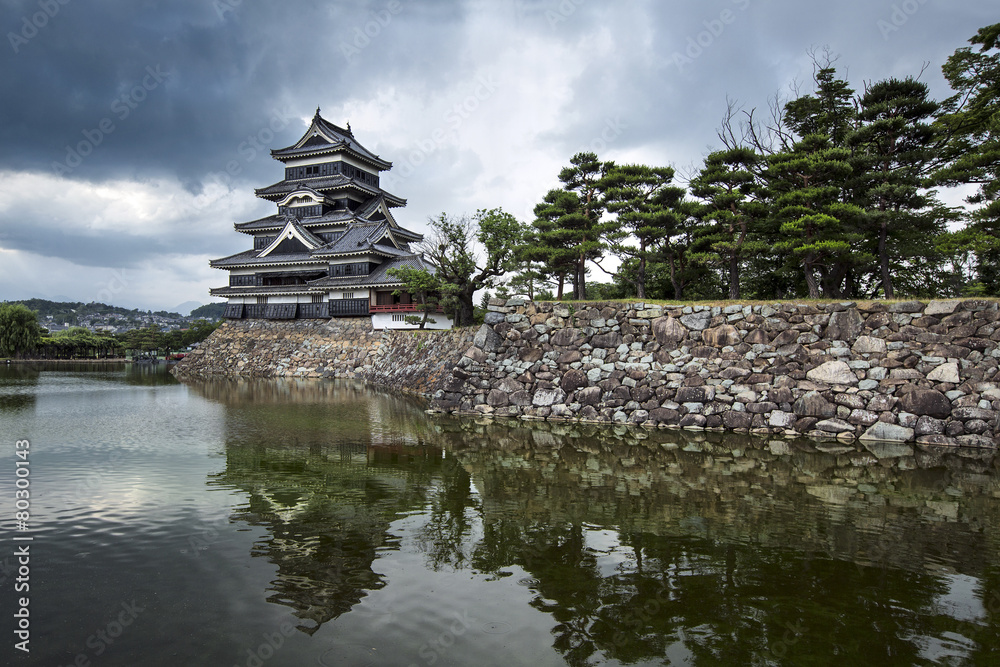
column 132, row 133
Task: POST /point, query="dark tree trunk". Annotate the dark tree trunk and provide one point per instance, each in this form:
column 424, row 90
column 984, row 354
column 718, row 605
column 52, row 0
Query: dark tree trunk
column 883, row 261
column 640, row 280
column 811, row 278
column 734, row 277
column 678, row 288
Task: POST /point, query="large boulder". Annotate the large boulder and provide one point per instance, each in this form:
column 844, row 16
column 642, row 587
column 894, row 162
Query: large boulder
column 844, row 325
column 697, row 321
column 487, row 339
column 609, row 340
column 573, row 380
column 812, row 404
column 945, row 373
column 921, row 401
column 833, row 372
column 722, row 336
column 668, row 331
column 885, row 432
column 569, row 336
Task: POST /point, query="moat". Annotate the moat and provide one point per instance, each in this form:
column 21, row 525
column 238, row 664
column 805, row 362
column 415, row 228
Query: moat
column 318, row 522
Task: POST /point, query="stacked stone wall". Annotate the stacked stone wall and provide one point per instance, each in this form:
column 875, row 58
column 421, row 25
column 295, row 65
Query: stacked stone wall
column 412, row 361
column 883, row 372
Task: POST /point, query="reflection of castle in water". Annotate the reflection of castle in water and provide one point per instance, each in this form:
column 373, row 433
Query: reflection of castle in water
column 696, row 543
column 327, row 467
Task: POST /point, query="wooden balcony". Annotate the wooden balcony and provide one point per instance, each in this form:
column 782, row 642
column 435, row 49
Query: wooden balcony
column 401, row 308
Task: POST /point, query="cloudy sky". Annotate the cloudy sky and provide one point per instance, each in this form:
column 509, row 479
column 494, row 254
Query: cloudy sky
column 132, row 133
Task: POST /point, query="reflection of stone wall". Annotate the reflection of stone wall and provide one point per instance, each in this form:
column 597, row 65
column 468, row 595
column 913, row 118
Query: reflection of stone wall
column 415, row 362
column 831, row 499
column 895, row 372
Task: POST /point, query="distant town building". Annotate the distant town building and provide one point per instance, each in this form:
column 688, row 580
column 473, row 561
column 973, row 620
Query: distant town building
column 328, row 249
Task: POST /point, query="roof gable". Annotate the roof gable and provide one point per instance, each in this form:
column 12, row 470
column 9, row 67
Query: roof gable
column 324, row 136
column 293, row 238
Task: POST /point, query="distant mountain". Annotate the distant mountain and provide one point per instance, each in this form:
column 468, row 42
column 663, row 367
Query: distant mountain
column 187, row 307
column 71, row 311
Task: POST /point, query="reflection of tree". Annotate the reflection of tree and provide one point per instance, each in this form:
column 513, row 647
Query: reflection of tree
column 18, row 386
column 444, row 538
column 724, row 553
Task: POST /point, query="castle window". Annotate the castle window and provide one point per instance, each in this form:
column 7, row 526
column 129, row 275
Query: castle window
column 261, row 300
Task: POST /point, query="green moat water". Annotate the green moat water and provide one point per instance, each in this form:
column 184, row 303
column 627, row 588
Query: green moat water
column 326, row 523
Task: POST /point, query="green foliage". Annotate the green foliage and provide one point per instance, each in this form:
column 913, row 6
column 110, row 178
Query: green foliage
column 970, row 120
column 648, row 215
column 80, row 343
column 210, row 311
column 460, row 269
column 423, row 286
column 568, row 229
column 733, row 213
column 20, row 332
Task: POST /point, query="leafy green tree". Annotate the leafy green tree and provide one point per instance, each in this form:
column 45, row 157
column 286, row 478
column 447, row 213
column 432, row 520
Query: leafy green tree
column 423, row 286
column 647, row 209
column 894, row 150
column 451, row 248
column 20, row 332
column 817, row 226
column 198, row 331
column 970, row 119
column 733, row 211
column 550, row 243
column 581, row 223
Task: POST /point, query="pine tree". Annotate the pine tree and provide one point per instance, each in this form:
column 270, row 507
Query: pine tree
column 894, row 149
column 817, row 227
column 971, row 119
column 646, row 205
column 733, row 210
column 583, row 222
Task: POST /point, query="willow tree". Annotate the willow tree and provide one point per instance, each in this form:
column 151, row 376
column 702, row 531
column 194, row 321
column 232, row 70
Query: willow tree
column 19, row 329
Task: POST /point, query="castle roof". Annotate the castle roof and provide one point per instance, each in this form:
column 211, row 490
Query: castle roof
column 324, row 137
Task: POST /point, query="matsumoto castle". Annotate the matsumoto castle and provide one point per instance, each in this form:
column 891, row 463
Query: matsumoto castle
column 328, row 249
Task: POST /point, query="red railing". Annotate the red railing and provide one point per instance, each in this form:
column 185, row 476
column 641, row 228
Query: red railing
column 400, row 308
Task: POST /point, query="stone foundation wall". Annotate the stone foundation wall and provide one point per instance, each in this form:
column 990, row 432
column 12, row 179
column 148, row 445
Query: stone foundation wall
column 882, row 372
column 412, row 361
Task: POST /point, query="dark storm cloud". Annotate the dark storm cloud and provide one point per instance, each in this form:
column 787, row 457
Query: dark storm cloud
column 177, row 87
